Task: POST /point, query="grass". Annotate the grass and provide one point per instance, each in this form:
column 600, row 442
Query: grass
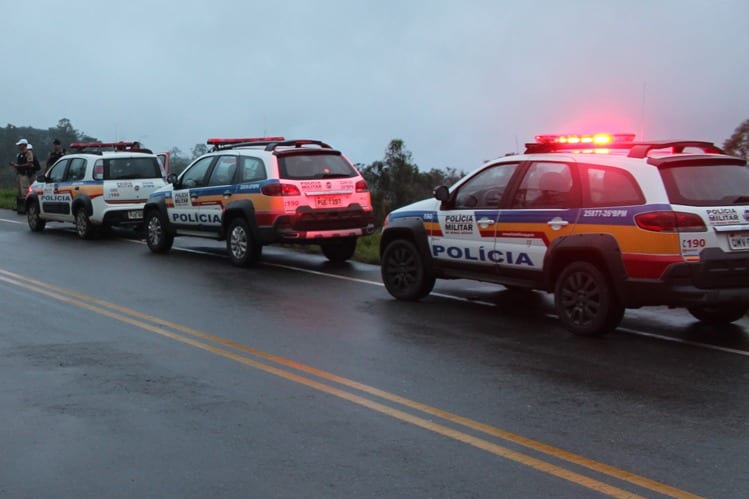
column 8, row 199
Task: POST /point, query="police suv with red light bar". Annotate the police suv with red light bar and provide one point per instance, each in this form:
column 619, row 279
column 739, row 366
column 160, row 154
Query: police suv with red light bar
column 97, row 185
column 603, row 222
column 256, row 191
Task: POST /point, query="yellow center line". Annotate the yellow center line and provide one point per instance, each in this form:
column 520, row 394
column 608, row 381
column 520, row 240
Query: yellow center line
column 39, row 287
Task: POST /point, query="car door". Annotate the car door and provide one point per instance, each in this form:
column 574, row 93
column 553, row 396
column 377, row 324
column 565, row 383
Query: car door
column 185, row 214
column 544, row 206
column 217, row 192
column 468, row 220
column 56, row 199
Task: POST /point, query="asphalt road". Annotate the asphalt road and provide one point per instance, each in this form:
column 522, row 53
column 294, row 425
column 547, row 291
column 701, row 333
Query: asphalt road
column 128, row 374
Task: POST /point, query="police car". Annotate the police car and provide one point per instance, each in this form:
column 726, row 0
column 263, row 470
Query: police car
column 97, row 185
column 256, row 191
column 603, row 222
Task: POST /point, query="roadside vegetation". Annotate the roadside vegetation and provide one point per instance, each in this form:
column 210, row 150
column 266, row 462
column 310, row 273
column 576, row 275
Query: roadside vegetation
column 8, row 199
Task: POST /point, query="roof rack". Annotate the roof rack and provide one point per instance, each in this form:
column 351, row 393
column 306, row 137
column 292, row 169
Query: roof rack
column 641, row 149
column 220, row 144
column 99, row 147
column 297, row 144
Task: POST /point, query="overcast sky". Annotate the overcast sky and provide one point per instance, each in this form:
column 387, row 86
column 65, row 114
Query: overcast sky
column 459, row 81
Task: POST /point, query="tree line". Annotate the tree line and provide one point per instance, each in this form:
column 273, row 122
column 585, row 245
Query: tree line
column 394, row 181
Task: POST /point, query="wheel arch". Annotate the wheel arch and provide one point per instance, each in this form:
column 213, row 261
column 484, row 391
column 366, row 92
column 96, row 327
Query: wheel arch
column 159, row 206
column 82, row 201
column 243, row 208
column 602, row 250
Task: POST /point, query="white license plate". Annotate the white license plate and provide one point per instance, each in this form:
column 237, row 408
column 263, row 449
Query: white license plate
column 135, row 214
column 739, row 241
column 328, row 202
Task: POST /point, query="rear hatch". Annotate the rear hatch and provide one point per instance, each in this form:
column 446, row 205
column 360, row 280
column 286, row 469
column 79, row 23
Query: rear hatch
column 129, row 179
column 716, row 188
column 326, row 180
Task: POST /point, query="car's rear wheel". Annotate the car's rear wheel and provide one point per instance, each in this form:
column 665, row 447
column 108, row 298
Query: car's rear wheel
column 403, row 271
column 157, row 237
column 585, row 301
column 36, row 222
column 339, row 250
column 243, row 249
column 723, row 313
column 83, row 225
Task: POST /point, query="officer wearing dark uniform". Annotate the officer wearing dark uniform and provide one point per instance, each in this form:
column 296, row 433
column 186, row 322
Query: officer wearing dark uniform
column 24, row 166
column 56, row 153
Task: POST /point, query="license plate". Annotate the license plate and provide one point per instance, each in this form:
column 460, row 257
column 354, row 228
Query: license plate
column 739, row 241
column 135, row 214
column 328, row 202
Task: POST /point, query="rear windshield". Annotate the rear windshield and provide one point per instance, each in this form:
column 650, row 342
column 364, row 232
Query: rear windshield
column 707, row 185
column 314, row 166
column 130, row 168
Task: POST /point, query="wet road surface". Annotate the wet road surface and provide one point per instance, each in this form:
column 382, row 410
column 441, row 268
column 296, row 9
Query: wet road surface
column 124, row 373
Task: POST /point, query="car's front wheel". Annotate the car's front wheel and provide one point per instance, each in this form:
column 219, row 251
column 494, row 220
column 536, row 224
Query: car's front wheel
column 723, row 313
column 243, row 249
column 585, row 301
column 36, row 222
column 83, row 225
column 340, row 250
column 403, row 271
column 157, row 237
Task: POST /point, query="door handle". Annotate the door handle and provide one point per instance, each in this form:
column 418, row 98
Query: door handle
column 558, row 222
column 193, row 196
column 227, row 194
column 77, row 188
column 485, row 221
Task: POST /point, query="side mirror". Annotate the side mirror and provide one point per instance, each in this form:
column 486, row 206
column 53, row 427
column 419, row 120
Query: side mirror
column 41, row 178
column 172, row 178
column 441, row 193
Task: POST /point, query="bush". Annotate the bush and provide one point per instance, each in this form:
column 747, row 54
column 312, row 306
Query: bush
column 8, row 199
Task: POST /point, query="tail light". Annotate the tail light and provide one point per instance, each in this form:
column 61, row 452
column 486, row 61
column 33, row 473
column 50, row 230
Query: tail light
column 670, row 221
column 98, row 170
column 280, row 189
column 361, row 186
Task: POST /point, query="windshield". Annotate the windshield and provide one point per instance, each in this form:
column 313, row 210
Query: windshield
column 707, row 185
column 314, row 166
column 131, row 168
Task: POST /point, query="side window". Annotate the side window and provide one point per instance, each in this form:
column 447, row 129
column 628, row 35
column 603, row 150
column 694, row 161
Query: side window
column 57, row 173
column 610, row 187
column 77, row 170
column 485, row 190
column 545, row 186
column 251, row 170
column 223, row 172
column 195, row 175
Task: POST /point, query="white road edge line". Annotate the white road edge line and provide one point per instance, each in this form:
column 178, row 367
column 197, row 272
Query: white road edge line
column 11, row 221
column 684, row 342
column 479, row 302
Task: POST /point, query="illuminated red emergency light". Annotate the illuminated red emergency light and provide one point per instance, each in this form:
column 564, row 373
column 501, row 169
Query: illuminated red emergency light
column 223, row 141
column 594, row 139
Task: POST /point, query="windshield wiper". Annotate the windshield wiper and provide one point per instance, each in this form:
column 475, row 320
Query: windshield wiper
column 741, row 199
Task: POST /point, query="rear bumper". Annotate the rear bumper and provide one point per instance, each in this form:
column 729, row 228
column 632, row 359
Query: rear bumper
column 309, row 224
column 121, row 218
column 719, row 277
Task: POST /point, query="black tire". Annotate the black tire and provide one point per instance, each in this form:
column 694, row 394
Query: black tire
column 340, row 250
column 585, row 301
column 242, row 247
column 83, row 225
column 36, row 222
column 157, row 237
column 723, row 313
column 404, row 271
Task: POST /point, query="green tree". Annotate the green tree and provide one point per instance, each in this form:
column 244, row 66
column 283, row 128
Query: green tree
column 738, row 143
column 177, row 160
column 198, row 150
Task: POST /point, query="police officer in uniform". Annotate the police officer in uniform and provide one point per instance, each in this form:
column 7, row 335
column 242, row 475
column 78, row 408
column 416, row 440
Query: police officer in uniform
column 24, row 166
column 56, row 153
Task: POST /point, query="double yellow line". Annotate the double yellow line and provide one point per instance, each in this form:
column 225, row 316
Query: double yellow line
column 293, row 371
